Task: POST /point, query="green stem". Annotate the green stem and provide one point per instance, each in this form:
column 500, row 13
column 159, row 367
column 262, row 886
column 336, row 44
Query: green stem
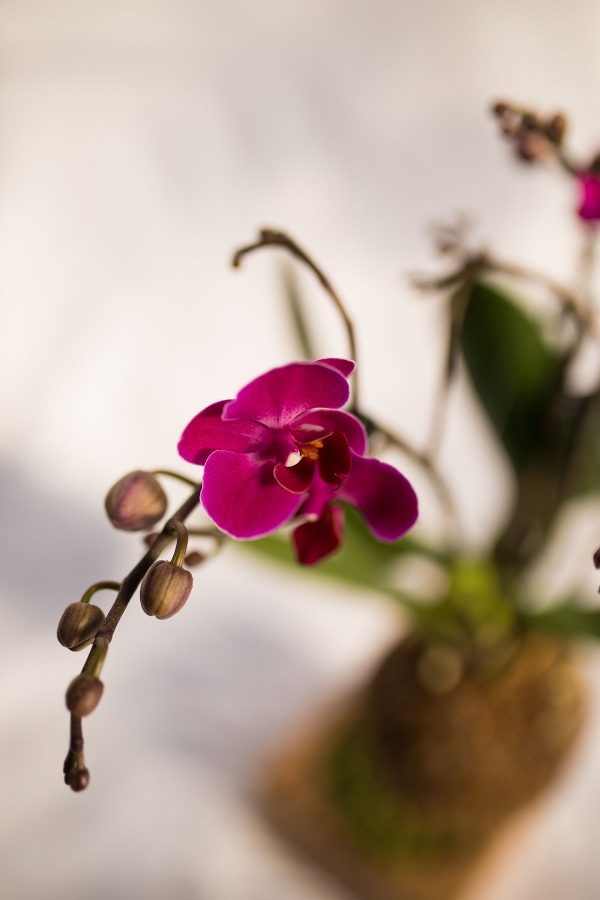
column 297, row 313
column 182, row 541
column 169, row 473
column 102, row 650
column 213, row 533
column 100, row 586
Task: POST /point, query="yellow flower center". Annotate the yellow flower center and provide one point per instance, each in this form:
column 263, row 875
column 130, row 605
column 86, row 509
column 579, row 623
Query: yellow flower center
column 311, row 450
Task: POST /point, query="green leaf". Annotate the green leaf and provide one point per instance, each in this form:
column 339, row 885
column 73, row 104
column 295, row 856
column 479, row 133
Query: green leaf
column 583, row 474
column 363, row 561
column 567, row 619
column 296, row 308
column 512, row 370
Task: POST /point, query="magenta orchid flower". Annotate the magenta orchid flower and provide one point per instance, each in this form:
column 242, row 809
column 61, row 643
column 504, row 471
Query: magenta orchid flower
column 589, row 205
column 284, row 450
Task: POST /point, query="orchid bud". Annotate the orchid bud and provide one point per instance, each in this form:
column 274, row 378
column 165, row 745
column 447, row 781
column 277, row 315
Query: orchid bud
column 165, row 589
column 194, row 558
column 136, row 501
column 530, row 121
column 510, row 129
column 500, row 109
column 79, row 780
column 83, row 695
column 79, row 624
column 556, row 127
column 532, row 147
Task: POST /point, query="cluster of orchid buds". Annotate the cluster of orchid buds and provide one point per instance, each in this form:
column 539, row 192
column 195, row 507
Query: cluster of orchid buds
column 136, row 502
column 534, row 136
column 538, row 138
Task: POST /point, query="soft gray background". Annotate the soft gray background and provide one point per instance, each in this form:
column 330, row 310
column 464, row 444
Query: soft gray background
column 139, row 143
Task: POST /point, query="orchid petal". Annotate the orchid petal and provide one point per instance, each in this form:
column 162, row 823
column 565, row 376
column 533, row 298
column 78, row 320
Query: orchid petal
column 282, row 394
column 208, row 431
column 313, row 541
column 335, row 460
column 241, row 496
column 345, row 366
column 318, row 497
column 296, row 479
column 384, row 497
column 330, row 420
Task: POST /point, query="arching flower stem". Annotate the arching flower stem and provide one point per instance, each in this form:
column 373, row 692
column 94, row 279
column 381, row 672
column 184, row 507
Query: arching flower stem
column 271, row 237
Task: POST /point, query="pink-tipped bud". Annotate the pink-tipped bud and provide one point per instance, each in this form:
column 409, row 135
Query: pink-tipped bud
column 83, row 695
column 79, row 624
column 165, row 589
column 136, row 501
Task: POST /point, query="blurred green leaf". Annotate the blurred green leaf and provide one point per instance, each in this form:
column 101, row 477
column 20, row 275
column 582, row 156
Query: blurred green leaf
column 583, row 474
column 459, row 302
column 297, row 311
column 568, row 619
column 512, row 369
column 363, row 561
column 478, row 596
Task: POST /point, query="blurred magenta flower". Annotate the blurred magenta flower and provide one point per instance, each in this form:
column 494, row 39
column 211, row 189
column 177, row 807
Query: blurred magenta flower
column 284, row 448
column 589, row 206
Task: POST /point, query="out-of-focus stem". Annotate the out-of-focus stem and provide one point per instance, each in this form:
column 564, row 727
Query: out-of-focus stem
column 270, row 237
column 585, row 266
column 570, row 300
column 425, row 462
